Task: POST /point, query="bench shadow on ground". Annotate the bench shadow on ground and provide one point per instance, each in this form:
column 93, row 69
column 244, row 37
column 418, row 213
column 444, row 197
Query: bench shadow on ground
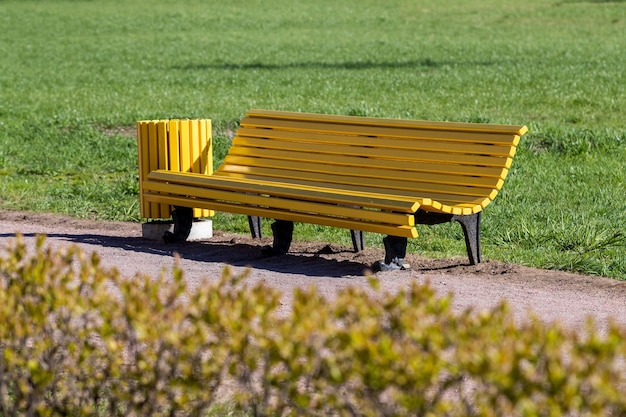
column 347, row 65
column 232, row 251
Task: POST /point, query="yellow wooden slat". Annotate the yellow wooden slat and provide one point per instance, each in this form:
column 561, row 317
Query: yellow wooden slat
column 467, row 209
column 480, row 127
column 410, row 194
column 452, row 209
column 184, row 144
column 354, row 160
column 421, row 140
column 377, row 198
column 340, row 177
column 441, row 167
column 153, row 129
column 161, row 142
column 161, row 139
column 206, row 152
column 310, row 207
column 152, row 143
column 295, row 191
column 153, row 146
column 376, row 131
column 205, row 142
column 394, row 186
column 194, row 143
column 405, row 231
column 163, row 211
column 174, row 150
column 144, row 165
column 306, row 151
column 202, row 141
column 364, row 173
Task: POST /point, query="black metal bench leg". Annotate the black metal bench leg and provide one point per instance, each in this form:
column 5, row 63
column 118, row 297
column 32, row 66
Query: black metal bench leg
column 183, row 220
column 395, row 249
column 255, row 223
column 283, row 233
column 395, row 252
column 471, row 230
column 358, row 240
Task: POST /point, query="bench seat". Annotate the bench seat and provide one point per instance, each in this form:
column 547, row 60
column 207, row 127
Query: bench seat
column 284, row 201
column 364, row 174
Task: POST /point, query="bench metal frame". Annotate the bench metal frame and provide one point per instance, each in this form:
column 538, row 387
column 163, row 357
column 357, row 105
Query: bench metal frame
column 469, row 223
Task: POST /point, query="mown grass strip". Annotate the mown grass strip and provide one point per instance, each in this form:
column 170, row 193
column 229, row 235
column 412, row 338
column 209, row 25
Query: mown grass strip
column 72, row 73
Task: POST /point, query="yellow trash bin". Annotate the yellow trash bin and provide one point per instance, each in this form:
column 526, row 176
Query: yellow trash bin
column 176, row 145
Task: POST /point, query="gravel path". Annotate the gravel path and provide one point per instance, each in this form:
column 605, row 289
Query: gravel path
column 552, row 295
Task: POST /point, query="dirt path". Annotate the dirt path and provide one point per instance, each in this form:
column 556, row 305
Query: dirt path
column 552, row 295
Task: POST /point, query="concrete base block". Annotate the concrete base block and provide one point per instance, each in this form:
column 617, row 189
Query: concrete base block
column 200, row 230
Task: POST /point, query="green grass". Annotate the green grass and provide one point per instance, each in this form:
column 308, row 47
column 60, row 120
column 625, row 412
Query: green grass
column 73, row 72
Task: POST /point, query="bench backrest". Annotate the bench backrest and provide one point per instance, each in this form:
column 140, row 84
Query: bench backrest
column 460, row 166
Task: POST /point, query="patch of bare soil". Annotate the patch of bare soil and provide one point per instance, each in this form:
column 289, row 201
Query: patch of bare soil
column 551, row 295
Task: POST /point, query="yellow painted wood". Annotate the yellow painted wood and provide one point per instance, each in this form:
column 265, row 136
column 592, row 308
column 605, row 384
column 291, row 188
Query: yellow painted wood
column 200, row 141
column 376, row 131
column 173, row 150
column 172, row 144
column 405, row 231
column 162, row 211
column 275, row 202
column 294, row 191
column 407, row 192
column 372, row 171
column 184, row 146
column 371, row 121
column 199, row 127
column 425, row 142
column 344, row 178
column 196, row 154
column 207, row 146
column 156, row 210
column 307, row 151
column 340, row 195
column 430, row 199
column 162, row 139
column 144, row 167
column 342, row 171
column 246, row 156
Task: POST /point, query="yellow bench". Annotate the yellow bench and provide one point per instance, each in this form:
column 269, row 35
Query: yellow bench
column 359, row 173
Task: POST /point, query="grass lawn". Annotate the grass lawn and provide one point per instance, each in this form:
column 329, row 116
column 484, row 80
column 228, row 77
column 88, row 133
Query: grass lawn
column 76, row 75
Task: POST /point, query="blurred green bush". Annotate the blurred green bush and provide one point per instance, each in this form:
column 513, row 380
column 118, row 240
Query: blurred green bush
column 77, row 339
